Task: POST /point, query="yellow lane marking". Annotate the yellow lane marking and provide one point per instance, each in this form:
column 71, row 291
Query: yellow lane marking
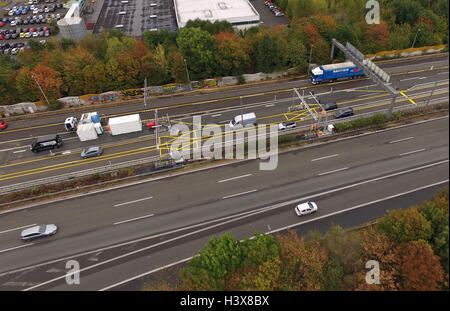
column 408, row 98
column 223, row 99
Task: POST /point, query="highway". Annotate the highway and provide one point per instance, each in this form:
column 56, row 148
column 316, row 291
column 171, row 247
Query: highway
column 414, row 78
column 120, row 233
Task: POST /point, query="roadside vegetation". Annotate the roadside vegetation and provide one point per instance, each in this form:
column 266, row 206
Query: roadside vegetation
column 114, row 61
column 411, row 246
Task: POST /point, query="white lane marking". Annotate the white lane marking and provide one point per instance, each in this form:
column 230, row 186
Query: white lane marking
column 134, row 201
column 409, row 79
column 276, row 230
column 9, row 230
column 216, row 115
column 443, row 73
column 326, row 157
column 233, row 178
column 133, row 219
column 334, row 171
column 18, row 151
column 225, row 121
column 239, row 194
column 270, row 105
column 399, row 140
column 230, row 219
column 410, row 152
column 13, row 248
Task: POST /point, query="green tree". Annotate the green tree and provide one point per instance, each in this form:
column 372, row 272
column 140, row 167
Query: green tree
column 231, row 54
column 406, row 11
column 197, row 47
column 404, row 225
column 208, row 269
column 265, row 54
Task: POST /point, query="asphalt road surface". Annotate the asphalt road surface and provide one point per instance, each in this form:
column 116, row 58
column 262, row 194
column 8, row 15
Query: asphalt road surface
column 121, row 233
column 270, row 103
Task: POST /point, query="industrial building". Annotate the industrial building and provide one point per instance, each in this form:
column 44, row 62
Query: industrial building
column 72, row 26
column 240, row 13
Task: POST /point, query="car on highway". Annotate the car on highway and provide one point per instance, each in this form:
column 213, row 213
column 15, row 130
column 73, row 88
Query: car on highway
column 90, row 152
column 343, row 113
column 286, row 125
column 3, row 125
column 329, row 106
column 305, row 208
column 40, row 231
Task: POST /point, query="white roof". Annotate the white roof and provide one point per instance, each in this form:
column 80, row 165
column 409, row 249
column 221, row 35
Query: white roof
column 337, row 66
column 233, row 11
column 125, row 119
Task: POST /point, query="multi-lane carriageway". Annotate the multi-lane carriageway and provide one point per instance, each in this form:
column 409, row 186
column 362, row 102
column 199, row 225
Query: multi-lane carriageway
column 414, row 78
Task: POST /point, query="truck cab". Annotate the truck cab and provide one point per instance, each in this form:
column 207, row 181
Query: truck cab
column 71, row 124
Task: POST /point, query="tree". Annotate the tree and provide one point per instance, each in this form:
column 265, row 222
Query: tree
column 265, row 54
column 377, row 37
column 262, row 248
column 25, row 86
column 208, row 269
column 231, row 54
column 406, row 11
column 197, row 46
column 177, row 70
column 418, row 268
column 49, row 80
column 405, row 225
column 400, row 37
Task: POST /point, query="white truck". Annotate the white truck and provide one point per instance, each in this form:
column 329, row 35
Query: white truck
column 71, row 123
column 88, row 128
column 248, row 118
column 125, row 124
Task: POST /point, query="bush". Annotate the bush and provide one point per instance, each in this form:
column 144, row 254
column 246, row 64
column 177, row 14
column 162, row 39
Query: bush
column 241, row 79
column 54, row 105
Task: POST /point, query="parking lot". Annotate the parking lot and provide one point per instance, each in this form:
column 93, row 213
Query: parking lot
column 25, row 20
column 133, row 17
column 268, row 17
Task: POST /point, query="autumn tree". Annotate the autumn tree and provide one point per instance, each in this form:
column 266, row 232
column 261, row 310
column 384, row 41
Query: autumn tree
column 49, row 80
column 25, row 86
column 405, row 225
column 231, row 54
column 418, row 268
column 176, row 66
column 377, row 37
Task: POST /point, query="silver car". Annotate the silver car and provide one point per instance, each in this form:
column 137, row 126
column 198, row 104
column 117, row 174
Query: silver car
column 91, row 152
column 39, row 231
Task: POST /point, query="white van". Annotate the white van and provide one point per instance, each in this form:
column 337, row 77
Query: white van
column 248, row 118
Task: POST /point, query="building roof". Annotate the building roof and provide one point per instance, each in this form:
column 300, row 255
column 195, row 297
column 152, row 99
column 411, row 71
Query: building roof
column 233, row 11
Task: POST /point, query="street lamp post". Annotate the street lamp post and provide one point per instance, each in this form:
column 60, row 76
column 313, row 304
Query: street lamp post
column 310, row 53
column 415, row 37
column 41, row 89
column 187, row 73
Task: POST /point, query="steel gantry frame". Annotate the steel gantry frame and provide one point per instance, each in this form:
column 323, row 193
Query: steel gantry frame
column 377, row 75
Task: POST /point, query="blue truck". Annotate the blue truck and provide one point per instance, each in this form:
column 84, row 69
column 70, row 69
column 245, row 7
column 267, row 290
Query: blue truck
column 333, row 72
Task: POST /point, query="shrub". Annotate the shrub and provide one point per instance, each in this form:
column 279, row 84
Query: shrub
column 54, row 105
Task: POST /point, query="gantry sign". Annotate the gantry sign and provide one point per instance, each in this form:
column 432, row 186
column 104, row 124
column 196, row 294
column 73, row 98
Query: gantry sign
column 371, row 70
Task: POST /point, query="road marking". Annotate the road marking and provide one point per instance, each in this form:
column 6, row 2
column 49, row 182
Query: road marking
column 399, row 140
column 216, row 115
column 326, row 157
column 238, row 194
column 443, row 73
column 13, row 248
column 408, row 79
column 130, row 202
column 274, row 231
column 133, row 219
column 228, row 218
column 18, row 151
column 17, row 228
column 233, row 178
column 270, row 105
column 410, row 152
column 334, row 171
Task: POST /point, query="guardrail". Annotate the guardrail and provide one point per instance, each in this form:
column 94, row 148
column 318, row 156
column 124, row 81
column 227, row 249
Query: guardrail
column 155, row 159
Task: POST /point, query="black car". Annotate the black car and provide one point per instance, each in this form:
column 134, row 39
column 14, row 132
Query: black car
column 14, row 45
column 343, row 113
column 329, row 106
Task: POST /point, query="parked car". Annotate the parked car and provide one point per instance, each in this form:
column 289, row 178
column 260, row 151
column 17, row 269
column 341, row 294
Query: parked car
column 3, row 125
column 2, row 37
column 28, row 35
column 41, row 33
column 46, row 33
column 305, row 208
column 286, row 125
column 33, row 29
column 91, row 152
column 39, row 231
column 7, row 36
column 343, row 113
column 14, row 51
column 278, row 13
column 14, row 36
column 2, row 24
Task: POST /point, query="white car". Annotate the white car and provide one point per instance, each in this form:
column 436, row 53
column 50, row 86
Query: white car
column 39, row 231
column 286, row 125
column 305, row 208
column 35, row 11
column 13, row 23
